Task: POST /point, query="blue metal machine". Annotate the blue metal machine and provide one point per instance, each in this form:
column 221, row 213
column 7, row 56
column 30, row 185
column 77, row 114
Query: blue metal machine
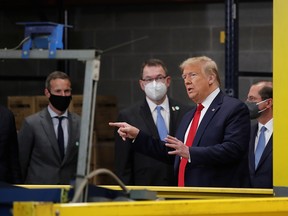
column 42, row 35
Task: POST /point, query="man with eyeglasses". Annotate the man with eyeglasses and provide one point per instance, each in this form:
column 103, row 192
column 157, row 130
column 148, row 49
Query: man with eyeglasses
column 135, row 168
column 260, row 104
column 211, row 142
column 48, row 140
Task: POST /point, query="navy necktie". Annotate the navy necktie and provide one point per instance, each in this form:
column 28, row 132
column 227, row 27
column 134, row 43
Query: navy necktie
column 60, row 137
column 261, row 146
column 160, row 123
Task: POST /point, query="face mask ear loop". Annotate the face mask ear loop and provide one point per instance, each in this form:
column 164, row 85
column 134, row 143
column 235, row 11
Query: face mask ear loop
column 261, row 102
column 260, row 111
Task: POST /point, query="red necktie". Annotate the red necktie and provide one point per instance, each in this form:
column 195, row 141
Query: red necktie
column 189, row 141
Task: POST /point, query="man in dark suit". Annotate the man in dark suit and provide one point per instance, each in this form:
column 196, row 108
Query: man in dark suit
column 9, row 161
column 217, row 155
column 260, row 103
column 48, row 150
column 135, row 168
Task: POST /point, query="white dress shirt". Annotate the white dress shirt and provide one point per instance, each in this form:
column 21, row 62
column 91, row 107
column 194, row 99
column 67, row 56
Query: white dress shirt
column 206, row 103
column 165, row 112
column 268, row 133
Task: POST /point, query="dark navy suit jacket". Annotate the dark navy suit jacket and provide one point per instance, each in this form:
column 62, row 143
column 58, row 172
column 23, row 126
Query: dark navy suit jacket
column 261, row 177
column 135, row 168
column 219, row 154
column 9, row 162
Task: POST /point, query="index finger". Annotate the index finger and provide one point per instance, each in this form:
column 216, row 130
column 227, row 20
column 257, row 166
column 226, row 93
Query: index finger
column 116, row 124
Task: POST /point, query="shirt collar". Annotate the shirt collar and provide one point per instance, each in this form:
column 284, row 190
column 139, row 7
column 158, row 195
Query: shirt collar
column 268, row 125
column 152, row 105
column 207, row 102
column 53, row 114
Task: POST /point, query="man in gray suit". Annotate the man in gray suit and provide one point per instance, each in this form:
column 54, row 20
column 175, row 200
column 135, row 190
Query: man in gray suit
column 48, row 140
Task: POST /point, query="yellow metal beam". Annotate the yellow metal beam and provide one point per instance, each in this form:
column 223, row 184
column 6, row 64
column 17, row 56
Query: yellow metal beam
column 217, row 207
column 200, row 192
column 181, row 193
column 66, row 187
column 33, row 209
column 280, row 96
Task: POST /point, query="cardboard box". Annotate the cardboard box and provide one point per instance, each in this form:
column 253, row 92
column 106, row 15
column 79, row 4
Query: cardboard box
column 21, row 106
column 77, row 102
column 102, row 156
column 106, row 111
column 41, row 101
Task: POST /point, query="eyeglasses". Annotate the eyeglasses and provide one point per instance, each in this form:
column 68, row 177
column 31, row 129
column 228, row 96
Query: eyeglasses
column 157, row 79
column 190, row 75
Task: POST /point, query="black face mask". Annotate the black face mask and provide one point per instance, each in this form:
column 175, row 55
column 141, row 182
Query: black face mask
column 61, row 103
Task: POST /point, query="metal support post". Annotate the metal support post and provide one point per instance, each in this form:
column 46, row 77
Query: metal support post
column 87, row 123
column 231, row 48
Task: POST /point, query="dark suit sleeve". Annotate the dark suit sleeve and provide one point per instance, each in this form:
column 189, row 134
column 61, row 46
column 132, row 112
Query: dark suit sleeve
column 10, row 168
column 123, row 156
column 25, row 139
column 14, row 152
column 152, row 147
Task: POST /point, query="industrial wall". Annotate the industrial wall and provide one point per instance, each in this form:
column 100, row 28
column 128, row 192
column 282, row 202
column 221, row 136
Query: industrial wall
column 174, row 31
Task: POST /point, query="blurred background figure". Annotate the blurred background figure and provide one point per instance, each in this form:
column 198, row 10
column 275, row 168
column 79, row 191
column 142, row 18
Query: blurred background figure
column 260, row 104
column 9, row 161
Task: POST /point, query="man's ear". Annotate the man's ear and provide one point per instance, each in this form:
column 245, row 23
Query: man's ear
column 168, row 81
column 211, row 78
column 46, row 92
column 270, row 102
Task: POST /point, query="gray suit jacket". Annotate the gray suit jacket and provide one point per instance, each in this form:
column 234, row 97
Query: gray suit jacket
column 39, row 154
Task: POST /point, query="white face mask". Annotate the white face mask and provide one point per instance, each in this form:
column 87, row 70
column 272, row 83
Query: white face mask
column 155, row 90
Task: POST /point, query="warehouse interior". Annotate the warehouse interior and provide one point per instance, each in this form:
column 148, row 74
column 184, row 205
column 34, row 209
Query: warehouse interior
column 131, row 32
column 126, row 33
